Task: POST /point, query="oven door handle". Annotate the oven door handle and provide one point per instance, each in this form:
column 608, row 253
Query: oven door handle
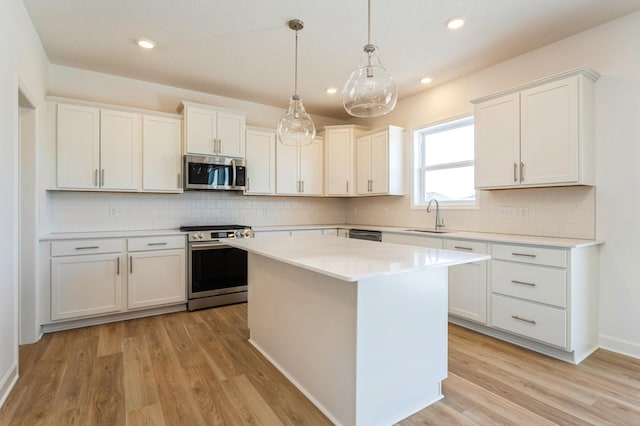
column 209, row 246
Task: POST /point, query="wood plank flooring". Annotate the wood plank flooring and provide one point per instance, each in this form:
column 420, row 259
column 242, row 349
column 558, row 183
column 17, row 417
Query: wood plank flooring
column 197, row 368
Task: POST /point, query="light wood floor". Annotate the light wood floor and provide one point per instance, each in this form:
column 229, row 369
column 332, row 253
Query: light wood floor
column 197, row 368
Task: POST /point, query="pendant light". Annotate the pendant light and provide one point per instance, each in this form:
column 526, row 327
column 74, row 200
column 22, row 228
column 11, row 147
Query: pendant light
column 296, row 126
column 370, row 90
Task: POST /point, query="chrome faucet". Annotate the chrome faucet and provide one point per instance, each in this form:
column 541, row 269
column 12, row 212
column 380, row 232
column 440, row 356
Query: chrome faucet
column 439, row 224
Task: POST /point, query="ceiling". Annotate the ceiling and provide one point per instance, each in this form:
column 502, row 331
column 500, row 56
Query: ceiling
column 244, row 49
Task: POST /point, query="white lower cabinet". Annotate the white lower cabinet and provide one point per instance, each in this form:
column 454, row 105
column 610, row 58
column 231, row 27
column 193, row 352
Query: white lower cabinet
column 539, row 297
column 157, row 275
column 547, row 296
column 468, row 283
column 86, row 284
column 94, row 277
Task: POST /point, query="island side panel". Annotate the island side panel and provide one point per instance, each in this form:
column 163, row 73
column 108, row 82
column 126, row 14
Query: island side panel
column 402, row 345
column 305, row 324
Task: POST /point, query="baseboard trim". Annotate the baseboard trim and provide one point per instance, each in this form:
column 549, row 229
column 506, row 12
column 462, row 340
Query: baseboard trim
column 620, row 346
column 86, row 322
column 8, row 381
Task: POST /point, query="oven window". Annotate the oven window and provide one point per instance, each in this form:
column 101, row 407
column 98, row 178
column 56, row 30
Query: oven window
column 218, row 268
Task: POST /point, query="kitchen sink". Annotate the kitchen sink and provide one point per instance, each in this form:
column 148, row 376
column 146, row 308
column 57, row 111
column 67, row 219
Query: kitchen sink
column 428, row 231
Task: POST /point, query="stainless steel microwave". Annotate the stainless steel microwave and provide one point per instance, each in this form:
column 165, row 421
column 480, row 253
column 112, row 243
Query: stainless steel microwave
column 214, row 173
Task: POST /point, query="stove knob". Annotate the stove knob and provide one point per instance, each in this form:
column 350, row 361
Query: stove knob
column 200, row 236
column 238, row 234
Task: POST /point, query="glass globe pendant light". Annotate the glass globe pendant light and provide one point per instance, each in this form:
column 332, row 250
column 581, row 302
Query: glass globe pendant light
column 296, row 126
column 370, row 90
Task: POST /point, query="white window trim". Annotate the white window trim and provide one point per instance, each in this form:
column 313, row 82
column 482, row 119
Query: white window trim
column 417, row 171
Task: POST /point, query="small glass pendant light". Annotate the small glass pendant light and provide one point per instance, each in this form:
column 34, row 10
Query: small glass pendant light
column 370, row 90
column 296, row 126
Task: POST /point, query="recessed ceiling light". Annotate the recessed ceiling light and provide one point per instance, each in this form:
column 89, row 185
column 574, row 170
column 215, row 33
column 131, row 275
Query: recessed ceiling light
column 332, row 90
column 146, row 43
column 426, row 80
column 455, row 23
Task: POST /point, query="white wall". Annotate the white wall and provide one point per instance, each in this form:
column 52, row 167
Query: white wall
column 22, row 64
column 612, row 50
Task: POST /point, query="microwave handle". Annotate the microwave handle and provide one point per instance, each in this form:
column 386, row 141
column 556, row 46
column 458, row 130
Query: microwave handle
column 233, row 172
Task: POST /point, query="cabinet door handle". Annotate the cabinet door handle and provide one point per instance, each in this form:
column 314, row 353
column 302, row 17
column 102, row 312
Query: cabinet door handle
column 102, row 178
column 248, row 188
column 179, row 180
column 463, row 248
column 131, row 264
column 515, row 172
column 95, row 179
column 523, row 283
column 157, row 244
column 515, row 317
column 521, row 171
column 118, row 266
column 523, row 254
column 347, row 186
column 302, row 186
column 87, row 247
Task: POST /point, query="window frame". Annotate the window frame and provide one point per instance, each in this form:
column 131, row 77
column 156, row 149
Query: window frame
column 417, row 202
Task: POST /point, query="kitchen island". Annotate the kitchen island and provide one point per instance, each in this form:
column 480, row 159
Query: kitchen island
column 359, row 327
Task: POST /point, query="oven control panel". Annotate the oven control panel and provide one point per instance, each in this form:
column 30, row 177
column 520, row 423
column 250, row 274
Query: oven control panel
column 198, row 235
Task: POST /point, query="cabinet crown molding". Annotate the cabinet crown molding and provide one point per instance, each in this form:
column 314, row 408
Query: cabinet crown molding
column 585, row 71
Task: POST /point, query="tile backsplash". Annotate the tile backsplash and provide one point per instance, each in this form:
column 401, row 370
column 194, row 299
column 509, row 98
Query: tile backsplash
column 567, row 212
column 93, row 211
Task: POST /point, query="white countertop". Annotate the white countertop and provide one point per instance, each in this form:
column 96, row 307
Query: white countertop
column 353, row 260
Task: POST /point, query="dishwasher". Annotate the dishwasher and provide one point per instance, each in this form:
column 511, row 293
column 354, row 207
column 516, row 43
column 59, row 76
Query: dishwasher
column 364, row 234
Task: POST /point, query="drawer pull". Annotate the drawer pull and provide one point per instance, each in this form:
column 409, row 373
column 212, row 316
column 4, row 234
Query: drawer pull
column 523, row 319
column 118, row 266
column 87, row 247
column 523, row 283
column 463, row 248
column 157, row 244
column 523, row 254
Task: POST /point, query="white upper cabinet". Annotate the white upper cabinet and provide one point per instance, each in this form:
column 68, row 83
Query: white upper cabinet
column 213, row 131
column 98, row 148
column 161, row 154
column 261, row 161
column 120, row 149
column 536, row 135
column 78, row 146
column 340, row 165
column 379, row 162
column 299, row 169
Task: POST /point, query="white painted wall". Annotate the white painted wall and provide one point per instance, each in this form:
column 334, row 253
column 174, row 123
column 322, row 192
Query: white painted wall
column 22, row 64
column 612, row 50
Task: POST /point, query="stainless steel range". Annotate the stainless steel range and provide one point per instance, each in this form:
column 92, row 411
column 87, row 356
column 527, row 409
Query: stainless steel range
column 217, row 272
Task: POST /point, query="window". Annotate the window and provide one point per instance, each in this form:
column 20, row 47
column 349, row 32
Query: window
column 444, row 164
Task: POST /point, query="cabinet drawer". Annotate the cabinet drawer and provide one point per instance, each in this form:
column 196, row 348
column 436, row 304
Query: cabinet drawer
column 529, row 254
column 79, row 247
column 529, row 319
column 156, row 243
column 466, row 246
column 537, row 283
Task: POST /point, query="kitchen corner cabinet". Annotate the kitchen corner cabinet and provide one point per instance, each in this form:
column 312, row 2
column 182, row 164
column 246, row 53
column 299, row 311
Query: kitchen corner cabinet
column 539, row 134
column 156, row 271
column 468, row 283
column 98, row 148
column 261, row 158
column 299, row 169
column 340, row 160
column 86, row 278
column 379, row 162
column 161, row 154
column 213, row 131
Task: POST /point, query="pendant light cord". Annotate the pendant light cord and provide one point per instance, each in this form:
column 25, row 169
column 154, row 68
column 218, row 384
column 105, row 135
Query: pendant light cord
column 369, row 21
column 295, row 78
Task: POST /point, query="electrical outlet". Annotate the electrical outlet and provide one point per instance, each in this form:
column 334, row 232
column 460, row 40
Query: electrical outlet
column 524, row 212
column 114, row 211
column 508, row 212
